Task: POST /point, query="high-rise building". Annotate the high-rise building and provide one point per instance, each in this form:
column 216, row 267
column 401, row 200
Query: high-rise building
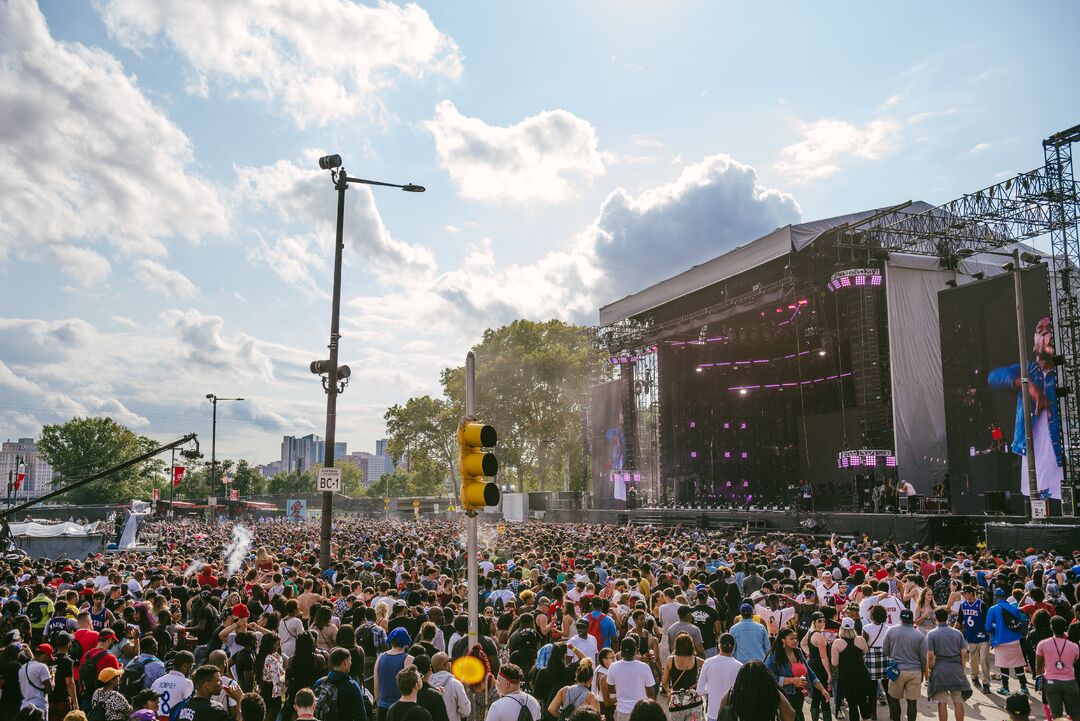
column 300, row 454
column 382, row 449
column 39, row 474
column 269, row 470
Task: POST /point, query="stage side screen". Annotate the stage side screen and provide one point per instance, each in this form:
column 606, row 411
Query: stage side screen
column 980, row 373
column 608, row 441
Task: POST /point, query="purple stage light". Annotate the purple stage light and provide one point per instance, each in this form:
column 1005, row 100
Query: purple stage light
column 856, row 461
column 890, row 461
column 860, row 280
column 727, row 484
column 742, row 426
column 870, row 461
column 840, row 463
column 845, row 281
column 693, row 424
column 746, row 484
column 693, row 454
column 844, row 462
column 875, row 279
column 726, row 425
column 727, row 454
column 744, row 454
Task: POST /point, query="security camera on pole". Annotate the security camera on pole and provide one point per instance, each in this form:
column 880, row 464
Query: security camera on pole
column 335, row 377
column 475, row 466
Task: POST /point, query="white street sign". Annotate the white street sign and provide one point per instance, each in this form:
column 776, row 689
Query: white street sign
column 329, row 479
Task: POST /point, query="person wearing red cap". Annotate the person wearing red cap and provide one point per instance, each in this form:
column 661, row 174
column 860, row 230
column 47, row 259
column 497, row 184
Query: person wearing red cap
column 35, row 681
column 94, row 662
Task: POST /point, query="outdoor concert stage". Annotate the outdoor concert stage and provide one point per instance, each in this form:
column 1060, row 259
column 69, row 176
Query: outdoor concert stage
column 1006, row 532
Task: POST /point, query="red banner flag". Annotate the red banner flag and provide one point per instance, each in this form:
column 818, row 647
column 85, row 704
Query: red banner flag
column 177, row 475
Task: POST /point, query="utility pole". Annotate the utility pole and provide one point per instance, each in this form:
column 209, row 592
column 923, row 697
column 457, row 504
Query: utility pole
column 172, row 482
column 470, row 547
column 335, row 377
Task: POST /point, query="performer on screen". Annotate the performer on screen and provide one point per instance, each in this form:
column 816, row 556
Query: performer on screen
column 1045, row 420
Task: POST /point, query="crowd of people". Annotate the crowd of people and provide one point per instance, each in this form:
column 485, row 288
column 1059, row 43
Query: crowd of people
column 577, row 621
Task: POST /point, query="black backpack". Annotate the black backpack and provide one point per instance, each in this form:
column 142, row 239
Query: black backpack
column 326, row 701
column 134, row 676
column 88, row 669
column 524, row 714
column 365, row 638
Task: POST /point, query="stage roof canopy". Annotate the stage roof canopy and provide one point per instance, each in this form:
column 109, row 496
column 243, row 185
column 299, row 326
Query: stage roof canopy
column 780, row 242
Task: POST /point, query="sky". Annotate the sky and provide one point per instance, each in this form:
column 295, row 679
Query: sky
column 165, row 231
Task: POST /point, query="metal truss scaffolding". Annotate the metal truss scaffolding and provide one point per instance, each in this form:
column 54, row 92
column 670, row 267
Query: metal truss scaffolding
column 1041, row 202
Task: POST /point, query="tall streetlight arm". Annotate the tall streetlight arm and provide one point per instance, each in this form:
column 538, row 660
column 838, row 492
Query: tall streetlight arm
column 335, row 376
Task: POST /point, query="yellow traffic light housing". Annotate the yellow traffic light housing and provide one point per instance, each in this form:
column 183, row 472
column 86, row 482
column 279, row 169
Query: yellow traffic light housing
column 475, row 465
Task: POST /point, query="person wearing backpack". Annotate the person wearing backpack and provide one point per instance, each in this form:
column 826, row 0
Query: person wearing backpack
column 601, row 625
column 338, row 697
column 513, row 703
column 107, row 703
column 141, row 671
column 1006, row 625
column 571, row 698
column 35, row 681
column 93, row 663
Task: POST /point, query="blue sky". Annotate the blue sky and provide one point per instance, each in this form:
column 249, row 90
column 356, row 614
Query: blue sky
column 165, row 232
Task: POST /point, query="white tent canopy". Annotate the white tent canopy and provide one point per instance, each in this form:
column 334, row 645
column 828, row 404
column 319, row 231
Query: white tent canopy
column 53, row 530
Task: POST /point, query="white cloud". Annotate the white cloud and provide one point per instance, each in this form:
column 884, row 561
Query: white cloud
column 979, row 147
column 157, row 277
column 931, row 115
column 713, row 206
column 204, row 343
column 306, row 198
column 85, row 266
column 86, row 156
column 295, row 259
column 538, row 159
column 58, row 369
column 314, row 61
column 826, row 141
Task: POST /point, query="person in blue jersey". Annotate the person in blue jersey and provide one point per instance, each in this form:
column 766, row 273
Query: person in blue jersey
column 972, row 621
column 1006, row 641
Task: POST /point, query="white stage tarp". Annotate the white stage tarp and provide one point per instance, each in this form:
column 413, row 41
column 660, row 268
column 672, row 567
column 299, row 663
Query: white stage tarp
column 918, row 400
column 53, row 530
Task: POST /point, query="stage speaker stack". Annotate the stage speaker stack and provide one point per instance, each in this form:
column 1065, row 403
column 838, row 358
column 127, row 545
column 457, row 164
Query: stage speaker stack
column 996, row 503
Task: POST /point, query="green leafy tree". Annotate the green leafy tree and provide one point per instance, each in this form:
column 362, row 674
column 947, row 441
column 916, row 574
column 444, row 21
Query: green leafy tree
column 423, row 430
column 425, row 479
column 84, row 446
column 532, row 384
column 293, row 482
column 247, row 480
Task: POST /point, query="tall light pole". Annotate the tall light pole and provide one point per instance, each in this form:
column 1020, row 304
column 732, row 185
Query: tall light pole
column 335, row 377
column 213, row 440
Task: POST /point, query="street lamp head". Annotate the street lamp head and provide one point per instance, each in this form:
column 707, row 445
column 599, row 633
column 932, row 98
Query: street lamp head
column 410, row 188
column 209, row 396
column 1030, row 257
column 329, row 162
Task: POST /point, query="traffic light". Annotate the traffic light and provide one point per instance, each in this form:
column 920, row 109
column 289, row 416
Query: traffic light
column 475, row 465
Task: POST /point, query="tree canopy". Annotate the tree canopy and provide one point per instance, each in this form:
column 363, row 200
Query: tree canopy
column 532, row 382
column 84, row 446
